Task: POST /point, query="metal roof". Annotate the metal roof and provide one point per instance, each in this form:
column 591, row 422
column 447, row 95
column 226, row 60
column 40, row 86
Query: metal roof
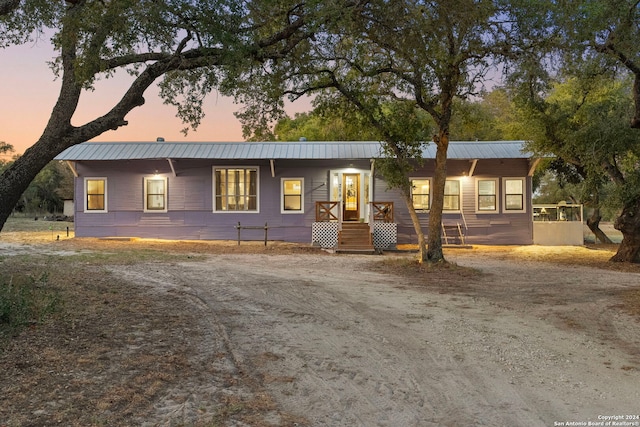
column 279, row 150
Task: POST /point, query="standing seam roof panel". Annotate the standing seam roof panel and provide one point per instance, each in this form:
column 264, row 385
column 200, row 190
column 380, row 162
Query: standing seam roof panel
column 279, row 150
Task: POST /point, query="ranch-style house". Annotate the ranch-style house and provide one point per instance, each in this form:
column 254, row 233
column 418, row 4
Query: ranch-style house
column 322, row 193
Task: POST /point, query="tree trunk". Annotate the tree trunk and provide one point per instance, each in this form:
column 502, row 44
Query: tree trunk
column 16, row 179
column 593, row 222
column 629, row 224
column 434, row 240
column 422, row 242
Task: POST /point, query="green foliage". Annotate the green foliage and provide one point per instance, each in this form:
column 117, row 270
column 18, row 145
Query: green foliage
column 47, row 191
column 5, row 148
column 406, row 67
column 584, row 122
column 24, row 300
column 322, row 125
column 493, row 117
column 5, row 152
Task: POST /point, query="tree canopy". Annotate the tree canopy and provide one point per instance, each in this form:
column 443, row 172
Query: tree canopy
column 401, row 66
column 594, row 41
column 194, row 47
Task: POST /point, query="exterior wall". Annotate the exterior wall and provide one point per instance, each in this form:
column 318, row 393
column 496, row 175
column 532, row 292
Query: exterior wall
column 499, row 228
column 190, row 212
column 558, row 233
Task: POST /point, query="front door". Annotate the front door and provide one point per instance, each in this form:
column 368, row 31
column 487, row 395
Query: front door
column 351, row 196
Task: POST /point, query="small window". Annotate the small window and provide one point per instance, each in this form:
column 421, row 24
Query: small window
column 420, row 194
column 96, row 194
column 514, row 194
column 236, row 189
column 292, row 195
column 155, row 194
column 487, row 200
column 451, row 196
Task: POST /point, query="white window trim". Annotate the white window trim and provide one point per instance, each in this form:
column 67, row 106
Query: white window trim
column 166, row 194
column 282, row 209
column 411, row 179
column 213, row 188
column 460, row 198
column 497, row 195
column 95, row 178
column 504, row 195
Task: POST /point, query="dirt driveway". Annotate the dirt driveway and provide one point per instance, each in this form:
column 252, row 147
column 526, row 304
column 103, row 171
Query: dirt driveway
column 504, row 339
column 523, row 343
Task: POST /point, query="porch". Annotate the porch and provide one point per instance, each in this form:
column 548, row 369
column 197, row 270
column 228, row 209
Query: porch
column 376, row 232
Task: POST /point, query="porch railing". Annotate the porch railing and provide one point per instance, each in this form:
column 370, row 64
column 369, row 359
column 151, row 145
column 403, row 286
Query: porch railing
column 324, row 211
column 382, row 211
column 331, row 211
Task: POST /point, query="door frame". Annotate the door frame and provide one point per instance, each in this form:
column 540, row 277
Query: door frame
column 348, row 198
column 365, row 190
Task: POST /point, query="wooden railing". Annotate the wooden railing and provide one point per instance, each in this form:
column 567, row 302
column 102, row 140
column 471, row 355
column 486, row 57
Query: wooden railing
column 331, row 211
column 324, row 211
column 382, row 211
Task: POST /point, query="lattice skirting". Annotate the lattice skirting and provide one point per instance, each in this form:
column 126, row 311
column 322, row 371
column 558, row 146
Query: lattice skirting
column 385, row 235
column 325, row 235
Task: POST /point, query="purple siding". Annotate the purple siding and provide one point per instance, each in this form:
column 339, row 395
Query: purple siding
column 190, row 212
column 498, row 228
column 190, row 200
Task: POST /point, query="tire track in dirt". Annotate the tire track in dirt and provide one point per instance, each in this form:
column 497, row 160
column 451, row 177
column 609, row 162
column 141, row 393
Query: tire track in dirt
column 343, row 346
column 352, row 365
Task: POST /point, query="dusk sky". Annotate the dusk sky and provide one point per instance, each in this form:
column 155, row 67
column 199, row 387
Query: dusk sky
column 29, row 92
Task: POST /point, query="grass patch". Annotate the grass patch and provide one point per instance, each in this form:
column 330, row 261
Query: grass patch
column 129, row 257
column 24, row 300
column 28, row 223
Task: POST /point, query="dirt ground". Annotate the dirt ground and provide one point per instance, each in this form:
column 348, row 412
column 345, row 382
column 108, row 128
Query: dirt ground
column 216, row 334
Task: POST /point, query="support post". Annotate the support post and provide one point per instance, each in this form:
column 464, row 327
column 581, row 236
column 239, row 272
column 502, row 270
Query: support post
column 266, row 230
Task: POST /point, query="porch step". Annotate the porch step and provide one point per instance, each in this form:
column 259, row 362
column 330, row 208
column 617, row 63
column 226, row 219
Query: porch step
column 356, row 238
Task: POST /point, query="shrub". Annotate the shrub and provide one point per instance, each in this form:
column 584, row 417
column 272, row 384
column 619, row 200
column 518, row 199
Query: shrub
column 24, row 301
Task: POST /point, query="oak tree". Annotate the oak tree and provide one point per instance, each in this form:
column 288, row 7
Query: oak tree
column 592, row 38
column 395, row 62
column 193, row 47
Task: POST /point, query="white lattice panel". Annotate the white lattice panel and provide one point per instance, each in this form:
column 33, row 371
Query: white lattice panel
column 385, row 235
column 324, row 234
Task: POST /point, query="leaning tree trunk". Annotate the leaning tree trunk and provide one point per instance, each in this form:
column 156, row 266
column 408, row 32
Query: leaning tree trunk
column 593, row 222
column 16, row 179
column 422, row 242
column 629, row 224
column 434, row 240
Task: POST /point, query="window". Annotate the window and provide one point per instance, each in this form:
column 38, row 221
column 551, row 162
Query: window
column 95, row 190
column 420, row 191
column 292, row 195
column 236, row 189
column 487, row 195
column 514, row 194
column 155, row 194
column 451, row 196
